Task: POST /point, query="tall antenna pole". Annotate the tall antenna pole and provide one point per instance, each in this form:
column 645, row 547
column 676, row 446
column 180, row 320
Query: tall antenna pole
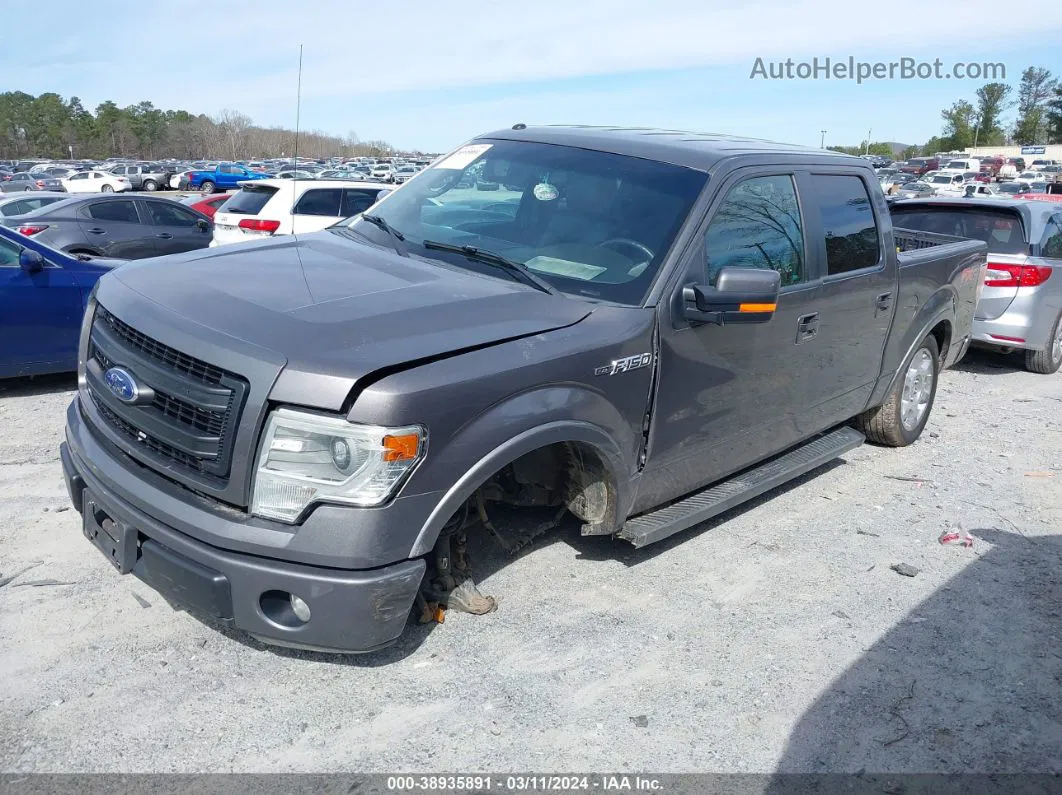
column 298, row 111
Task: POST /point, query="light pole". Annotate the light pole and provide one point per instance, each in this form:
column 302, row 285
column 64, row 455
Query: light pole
column 822, row 139
column 866, row 149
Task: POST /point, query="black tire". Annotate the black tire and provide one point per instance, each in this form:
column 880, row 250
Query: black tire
column 1048, row 360
column 106, row 189
column 207, row 188
column 150, row 185
column 885, row 425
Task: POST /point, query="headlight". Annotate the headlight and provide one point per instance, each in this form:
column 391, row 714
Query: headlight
column 308, row 458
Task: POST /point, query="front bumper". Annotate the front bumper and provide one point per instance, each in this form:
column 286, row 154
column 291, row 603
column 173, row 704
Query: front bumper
column 350, row 611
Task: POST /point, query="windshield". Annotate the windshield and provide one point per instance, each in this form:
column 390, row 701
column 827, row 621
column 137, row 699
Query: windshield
column 957, row 164
column 941, row 179
column 589, row 223
column 1009, row 187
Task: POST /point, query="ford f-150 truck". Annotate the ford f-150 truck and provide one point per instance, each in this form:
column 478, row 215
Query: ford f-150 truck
column 223, row 177
column 635, row 332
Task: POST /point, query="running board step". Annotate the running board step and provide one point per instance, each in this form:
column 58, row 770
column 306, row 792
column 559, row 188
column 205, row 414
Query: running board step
column 651, row 527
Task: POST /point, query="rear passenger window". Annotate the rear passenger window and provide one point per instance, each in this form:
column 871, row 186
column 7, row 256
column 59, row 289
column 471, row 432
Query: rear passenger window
column 123, row 211
column 757, row 226
column 848, row 220
column 1052, row 243
column 319, row 202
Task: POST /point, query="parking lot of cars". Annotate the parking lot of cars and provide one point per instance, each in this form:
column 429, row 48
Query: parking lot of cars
column 830, row 625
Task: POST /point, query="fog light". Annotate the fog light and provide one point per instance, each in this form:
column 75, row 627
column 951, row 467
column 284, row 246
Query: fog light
column 300, row 608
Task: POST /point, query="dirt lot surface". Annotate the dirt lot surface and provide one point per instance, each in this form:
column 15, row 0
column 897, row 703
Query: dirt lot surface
column 777, row 638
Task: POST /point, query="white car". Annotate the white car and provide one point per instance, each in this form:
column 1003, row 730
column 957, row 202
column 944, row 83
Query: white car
column 175, row 179
column 384, row 171
column 1032, row 176
column 96, row 182
column 267, row 207
column 944, row 183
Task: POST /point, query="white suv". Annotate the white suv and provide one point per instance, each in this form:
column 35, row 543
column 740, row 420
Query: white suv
column 287, row 206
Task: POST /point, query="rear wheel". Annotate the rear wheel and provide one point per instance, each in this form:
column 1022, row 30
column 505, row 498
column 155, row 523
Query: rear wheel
column 106, row 189
column 899, row 421
column 207, row 187
column 150, row 185
column 1049, row 359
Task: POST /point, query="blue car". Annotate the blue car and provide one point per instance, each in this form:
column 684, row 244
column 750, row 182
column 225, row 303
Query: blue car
column 43, row 293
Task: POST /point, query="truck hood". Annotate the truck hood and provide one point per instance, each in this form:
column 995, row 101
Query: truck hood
column 337, row 310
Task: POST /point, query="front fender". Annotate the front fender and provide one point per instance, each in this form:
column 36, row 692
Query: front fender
column 517, row 426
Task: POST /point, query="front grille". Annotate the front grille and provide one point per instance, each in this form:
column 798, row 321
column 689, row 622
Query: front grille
column 157, row 447
column 188, row 409
column 179, row 361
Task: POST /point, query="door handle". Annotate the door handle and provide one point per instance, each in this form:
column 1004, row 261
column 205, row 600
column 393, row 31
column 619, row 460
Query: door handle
column 96, row 231
column 883, row 301
column 164, row 235
column 807, row 327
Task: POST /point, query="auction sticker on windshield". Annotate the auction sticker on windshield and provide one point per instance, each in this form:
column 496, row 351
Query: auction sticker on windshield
column 463, row 156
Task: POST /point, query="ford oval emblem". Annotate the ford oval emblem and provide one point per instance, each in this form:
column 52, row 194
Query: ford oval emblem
column 122, row 384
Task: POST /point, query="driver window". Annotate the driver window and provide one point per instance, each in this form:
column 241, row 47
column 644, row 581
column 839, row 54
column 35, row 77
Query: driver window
column 9, row 254
column 757, row 226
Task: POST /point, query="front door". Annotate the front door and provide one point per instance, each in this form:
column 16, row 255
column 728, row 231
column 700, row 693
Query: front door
column 42, row 315
column 176, row 228
column 731, row 395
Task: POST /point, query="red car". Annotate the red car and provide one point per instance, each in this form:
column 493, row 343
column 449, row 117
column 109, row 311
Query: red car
column 207, row 205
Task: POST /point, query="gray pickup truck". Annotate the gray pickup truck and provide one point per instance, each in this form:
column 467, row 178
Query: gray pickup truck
column 636, row 330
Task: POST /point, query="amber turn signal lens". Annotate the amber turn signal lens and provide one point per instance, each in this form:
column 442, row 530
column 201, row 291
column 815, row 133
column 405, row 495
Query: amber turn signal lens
column 757, row 307
column 401, row 448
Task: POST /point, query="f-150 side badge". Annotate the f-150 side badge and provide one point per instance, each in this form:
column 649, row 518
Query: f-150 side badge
column 625, row 364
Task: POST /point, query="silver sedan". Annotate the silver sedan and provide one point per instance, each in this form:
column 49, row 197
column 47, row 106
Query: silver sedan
column 1020, row 305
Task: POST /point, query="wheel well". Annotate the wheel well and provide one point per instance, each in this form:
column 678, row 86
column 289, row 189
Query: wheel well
column 572, row 477
column 83, row 250
column 942, row 333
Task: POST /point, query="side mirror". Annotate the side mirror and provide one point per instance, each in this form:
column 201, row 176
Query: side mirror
column 30, row 261
column 384, row 193
column 202, row 225
column 740, row 295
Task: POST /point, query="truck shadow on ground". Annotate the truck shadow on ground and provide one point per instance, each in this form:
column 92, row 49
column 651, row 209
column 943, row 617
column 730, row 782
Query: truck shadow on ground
column 967, row 682
column 31, row 386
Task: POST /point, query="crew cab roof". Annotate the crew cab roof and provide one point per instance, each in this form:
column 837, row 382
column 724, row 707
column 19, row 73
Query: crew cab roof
column 695, row 150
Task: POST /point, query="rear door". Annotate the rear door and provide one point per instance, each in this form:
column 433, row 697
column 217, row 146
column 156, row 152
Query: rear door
column 176, row 228
column 115, row 228
column 42, row 315
column 316, row 209
column 858, row 290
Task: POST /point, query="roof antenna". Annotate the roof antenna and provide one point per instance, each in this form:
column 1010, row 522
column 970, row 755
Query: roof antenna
column 298, row 111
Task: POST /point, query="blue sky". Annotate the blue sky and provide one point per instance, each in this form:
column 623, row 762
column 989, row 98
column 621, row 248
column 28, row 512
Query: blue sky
column 430, row 75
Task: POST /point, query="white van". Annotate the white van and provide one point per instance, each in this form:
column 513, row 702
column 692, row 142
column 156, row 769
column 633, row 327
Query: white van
column 266, row 207
column 961, row 164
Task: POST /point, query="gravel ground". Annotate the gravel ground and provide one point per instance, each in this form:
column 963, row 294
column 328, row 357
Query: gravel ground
column 777, row 638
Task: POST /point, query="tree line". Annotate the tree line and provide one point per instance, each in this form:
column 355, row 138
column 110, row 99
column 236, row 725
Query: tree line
column 50, row 126
column 982, row 119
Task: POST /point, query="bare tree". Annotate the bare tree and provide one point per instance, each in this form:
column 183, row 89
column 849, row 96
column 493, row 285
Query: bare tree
column 235, row 126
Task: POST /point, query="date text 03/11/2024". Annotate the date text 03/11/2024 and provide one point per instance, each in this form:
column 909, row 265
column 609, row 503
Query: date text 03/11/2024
column 524, row 783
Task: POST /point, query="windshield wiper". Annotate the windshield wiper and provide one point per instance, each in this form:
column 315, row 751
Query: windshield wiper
column 517, row 269
column 397, row 238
